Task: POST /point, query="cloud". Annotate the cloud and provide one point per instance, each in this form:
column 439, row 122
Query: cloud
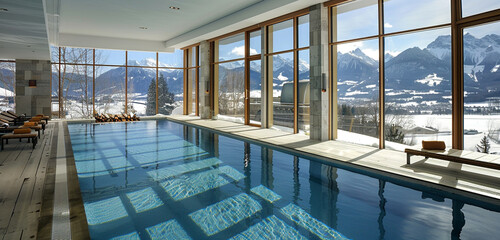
column 347, row 47
column 240, row 51
column 387, row 25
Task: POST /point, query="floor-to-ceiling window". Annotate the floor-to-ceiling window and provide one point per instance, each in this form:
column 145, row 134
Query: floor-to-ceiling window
column 393, row 52
column 229, row 73
column 88, row 81
column 412, row 52
column 481, row 78
column 192, row 79
column 7, row 84
column 288, row 74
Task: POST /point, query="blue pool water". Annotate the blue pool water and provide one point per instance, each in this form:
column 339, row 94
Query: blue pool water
column 163, row 180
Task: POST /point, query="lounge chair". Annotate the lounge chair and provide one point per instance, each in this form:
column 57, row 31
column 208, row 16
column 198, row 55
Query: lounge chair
column 20, row 133
column 10, row 120
column 21, row 117
column 43, row 117
column 34, row 126
column 38, row 120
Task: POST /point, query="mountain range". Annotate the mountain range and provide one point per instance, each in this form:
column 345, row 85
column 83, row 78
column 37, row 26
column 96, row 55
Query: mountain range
column 414, row 77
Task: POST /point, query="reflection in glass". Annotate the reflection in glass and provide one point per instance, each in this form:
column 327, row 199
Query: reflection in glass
column 141, row 91
column 255, row 92
column 255, row 42
column 402, row 15
column 193, row 89
column 482, row 88
column 303, row 92
column 355, row 19
column 358, row 91
column 232, row 91
column 418, row 88
column 7, row 85
column 283, row 99
column 303, row 31
column 232, row 47
column 472, row 7
column 282, row 36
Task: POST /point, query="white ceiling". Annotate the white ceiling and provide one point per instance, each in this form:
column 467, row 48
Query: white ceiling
column 23, row 33
column 115, row 24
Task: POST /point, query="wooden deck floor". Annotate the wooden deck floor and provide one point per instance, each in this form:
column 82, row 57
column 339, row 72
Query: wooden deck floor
column 22, row 177
column 470, row 181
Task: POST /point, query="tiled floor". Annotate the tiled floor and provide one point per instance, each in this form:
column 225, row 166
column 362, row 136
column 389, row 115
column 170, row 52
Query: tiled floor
column 469, row 180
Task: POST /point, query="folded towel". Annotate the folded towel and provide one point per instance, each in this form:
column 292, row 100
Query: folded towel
column 30, row 124
column 4, row 125
column 22, row 131
column 433, row 145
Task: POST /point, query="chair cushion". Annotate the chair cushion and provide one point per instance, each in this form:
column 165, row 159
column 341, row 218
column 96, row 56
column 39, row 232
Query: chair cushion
column 22, row 131
column 433, row 145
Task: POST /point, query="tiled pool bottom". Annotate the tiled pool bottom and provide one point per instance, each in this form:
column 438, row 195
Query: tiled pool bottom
column 163, row 180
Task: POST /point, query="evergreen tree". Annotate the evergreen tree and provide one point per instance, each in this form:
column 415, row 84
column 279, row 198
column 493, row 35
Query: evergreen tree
column 151, row 100
column 165, row 98
column 484, row 145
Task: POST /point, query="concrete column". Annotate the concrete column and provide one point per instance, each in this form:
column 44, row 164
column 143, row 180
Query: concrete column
column 318, row 37
column 204, row 107
column 266, row 104
column 33, row 100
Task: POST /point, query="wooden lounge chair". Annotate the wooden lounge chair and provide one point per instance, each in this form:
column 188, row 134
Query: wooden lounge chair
column 34, row 126
column 43, row 117
column 459, row 156
column 10, row 120
column 38, row 120
column 21, row 117
column 20, row 134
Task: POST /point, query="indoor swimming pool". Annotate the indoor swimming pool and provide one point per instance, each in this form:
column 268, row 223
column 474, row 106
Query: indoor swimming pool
column 164, row 180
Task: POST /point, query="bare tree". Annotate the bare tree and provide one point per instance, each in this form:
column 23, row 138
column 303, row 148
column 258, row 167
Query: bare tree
column 7, row 85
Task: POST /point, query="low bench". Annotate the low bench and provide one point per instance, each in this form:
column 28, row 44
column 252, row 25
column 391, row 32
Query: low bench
column 29, row 136
column 459, row 156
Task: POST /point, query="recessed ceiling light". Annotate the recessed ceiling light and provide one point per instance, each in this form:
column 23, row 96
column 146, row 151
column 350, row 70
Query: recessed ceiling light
column 143, row 28
column 4, row 10
column 174, row 8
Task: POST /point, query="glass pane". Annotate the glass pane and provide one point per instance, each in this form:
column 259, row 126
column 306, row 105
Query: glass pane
column 255, row 43
column 402, row 15
column 472, row 7
column 255, row 92
column 76, row 55
column 109, row 57
column 76, row 83
column 141, row 91
column 143, row 59
column 358, row 92
column 110, row 90
column 168, row 101
column 482, row 88
column 174, row 59
column 192, row 57
column 7, row 85
column 193, row 89
column 232, row 47
column 282, row 69
column 55, row 91
column 232, row 91
column 304, row 31
column 282, row 36
column 174, row 82
column 418, row 88
column 54, row 54
column 304, row 91
column 355, row 19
